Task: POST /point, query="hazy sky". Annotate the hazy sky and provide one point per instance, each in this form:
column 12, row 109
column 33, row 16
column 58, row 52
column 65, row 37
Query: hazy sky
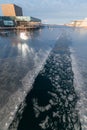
column 52, row 11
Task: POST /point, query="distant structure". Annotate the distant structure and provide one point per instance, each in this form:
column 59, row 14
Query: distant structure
column 11, row 10
column 78, row 23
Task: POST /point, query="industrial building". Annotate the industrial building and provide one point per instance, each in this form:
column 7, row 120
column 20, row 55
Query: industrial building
column 11, row 10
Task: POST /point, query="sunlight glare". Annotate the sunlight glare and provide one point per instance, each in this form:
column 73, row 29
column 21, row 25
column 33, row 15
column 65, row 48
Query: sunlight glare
column 23, row 36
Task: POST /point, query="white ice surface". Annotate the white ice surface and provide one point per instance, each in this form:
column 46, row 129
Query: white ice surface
column 79, row 87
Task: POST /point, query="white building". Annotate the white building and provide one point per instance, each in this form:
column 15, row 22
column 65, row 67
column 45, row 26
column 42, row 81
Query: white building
column 78, row 23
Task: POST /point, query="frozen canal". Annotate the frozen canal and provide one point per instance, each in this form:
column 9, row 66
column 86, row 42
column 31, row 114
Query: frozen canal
column 43, row 80
column 22, row 55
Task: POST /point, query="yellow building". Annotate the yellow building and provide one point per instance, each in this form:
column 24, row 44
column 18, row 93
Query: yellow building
column 11, row 10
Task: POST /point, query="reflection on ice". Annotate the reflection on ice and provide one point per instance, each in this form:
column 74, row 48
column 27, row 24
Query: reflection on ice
column 24, row 36
column 24, row 49
column 20, row 62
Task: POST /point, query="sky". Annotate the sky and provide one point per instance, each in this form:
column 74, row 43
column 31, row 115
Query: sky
column 52, row 11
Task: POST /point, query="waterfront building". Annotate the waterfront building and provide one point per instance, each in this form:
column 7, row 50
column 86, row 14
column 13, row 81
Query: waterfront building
column 19, row 21
column 27, row 21
column 11, row 10
column 13, row 17
column 7, row 21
